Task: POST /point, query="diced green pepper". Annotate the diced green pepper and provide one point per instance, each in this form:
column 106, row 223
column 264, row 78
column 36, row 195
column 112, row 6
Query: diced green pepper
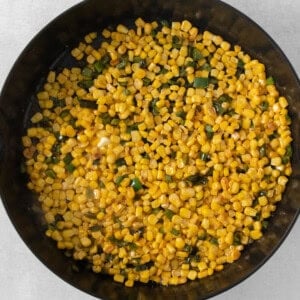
column 219, row 108
column 68, row 158
column 58, row 102
column 122, row 63
column 168, row 178
column 288, row 154
column 196, row 54
column 96, row 162
column 119, row 179
column 142, row 62
column 237, row 238
column 240, row 68
column 201, row 82
column 101, row 184
column 136, row 184
column 99, row 67
column 263, row 151
column 209, row 131
column 224, row 98
column 163, row 71
column 176, row 42
column 169, row 213
column 206, row 67
column 64, row 113
column 95, row 228
column 164, row 23
column 132, row 127
column 101, row 64
column 120, row 162
column 264, row 224
column 87, row 72
column 86, row 84
column 88, row 104
column 50, row 173
column 197, row 179
column 204, row 156
column 146, row 81
column 70, row 168
column 214, row 240
column 181, row 114
column 89, row 214
column 176, row 232
column 153, row 108
column 264, row 105
column 270, row 81
column 106, row 118
column 115, row 122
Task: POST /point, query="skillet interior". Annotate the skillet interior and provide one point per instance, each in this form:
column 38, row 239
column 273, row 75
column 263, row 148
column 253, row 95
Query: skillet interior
column 49, row 48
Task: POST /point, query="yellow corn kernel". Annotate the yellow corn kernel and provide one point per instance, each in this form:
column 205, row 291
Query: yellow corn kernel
column 119, row 278
column 185, row 213
column 149, row 235
column 263, row 200
column 255, row 234
column 186, row 25
column 235, row 187
column 276, row 161
column 139, row 73
column 152, row 219
column 249, row 211
column 122, row 29
column 145, row 275
column 225, row 46
column 129, row 283
column 179, row 243
column 85, row 241
column 192, row 275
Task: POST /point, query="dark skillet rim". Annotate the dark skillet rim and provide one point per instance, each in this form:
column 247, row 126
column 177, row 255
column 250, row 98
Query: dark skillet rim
column 44, row 262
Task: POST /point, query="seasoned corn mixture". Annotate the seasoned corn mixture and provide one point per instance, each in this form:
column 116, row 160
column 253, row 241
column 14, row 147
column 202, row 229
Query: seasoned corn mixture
column 162, row 157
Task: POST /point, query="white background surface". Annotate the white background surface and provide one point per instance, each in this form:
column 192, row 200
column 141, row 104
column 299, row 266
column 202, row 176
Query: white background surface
column 23, row 277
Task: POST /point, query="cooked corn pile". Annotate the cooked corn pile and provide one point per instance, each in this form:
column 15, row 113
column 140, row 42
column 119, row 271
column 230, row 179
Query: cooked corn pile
column 162, row 157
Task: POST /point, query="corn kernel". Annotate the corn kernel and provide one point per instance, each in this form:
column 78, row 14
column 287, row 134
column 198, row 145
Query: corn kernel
column 249, row 211
column 185, row 213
